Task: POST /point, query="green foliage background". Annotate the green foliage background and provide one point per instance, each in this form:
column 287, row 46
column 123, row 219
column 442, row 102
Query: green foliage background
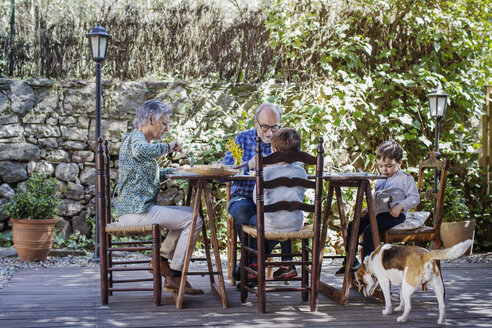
column 355, row 72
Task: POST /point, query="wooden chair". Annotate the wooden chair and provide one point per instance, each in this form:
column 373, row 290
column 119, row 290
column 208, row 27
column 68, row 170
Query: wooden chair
column 431, row 231
column 309, row 264
column 107, row 230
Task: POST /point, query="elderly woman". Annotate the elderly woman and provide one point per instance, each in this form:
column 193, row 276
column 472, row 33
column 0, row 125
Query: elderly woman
column 139, row 184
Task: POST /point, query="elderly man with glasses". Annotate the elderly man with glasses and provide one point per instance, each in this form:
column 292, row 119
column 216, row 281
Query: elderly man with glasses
column 241, row 205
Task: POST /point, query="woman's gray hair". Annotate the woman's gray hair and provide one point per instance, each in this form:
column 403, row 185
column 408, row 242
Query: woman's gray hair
column 150, row 109
column 268, row 105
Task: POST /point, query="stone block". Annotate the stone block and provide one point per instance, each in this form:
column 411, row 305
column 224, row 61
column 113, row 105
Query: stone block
column 4, row 103
column 8, row 119
column 79, row 101
column 6, row 191
column 34, row 118
column 9, row 131
column 75, row 134
column 57, row 156
column 73, row 145
column 88, row 176
column 75, row 191
column 12, row 172
column 22, row 97
column 124, row 100
column 82, row 156
column 43, row 167
column 67, row 171
column 48, row 142
column 19, row 152
column 3, row 217
column 42, row 130
column 70, row 207
column 112, row 131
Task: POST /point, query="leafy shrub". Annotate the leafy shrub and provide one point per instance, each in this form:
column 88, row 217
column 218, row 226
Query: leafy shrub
column 39, row 201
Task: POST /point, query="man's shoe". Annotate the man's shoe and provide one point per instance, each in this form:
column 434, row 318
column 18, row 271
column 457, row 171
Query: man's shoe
column 164, row 268
column 285, row 272
column 341, row 270
column 172, row 285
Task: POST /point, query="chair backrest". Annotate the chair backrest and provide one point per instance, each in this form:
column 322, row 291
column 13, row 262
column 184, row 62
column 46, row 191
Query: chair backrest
column 288, row 157
column 425, row 185
column 103, row 181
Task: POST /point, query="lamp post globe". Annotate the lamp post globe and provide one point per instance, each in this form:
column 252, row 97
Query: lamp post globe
column 98, row 43
column 438, row 102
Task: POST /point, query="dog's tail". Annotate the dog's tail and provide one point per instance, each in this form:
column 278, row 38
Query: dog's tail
column 448, row 253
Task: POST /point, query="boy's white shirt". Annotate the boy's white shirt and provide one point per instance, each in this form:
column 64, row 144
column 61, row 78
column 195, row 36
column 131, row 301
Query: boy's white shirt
column 400, row 189
column 283, row 220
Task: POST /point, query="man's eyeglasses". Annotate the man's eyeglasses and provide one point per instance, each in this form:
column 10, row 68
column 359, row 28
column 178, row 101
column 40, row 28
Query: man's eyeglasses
column 265, row 127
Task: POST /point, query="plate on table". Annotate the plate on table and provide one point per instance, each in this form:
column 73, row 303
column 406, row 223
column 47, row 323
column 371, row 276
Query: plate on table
column 214, row 170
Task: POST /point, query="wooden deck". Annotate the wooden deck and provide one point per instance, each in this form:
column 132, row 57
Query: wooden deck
column 70, row 297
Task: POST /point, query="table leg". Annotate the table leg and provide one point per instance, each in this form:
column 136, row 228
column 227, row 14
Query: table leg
column 220, row 292
column 341, row 212
column 372, row 215
column 189, row 247
column 352, row 244
column 206, row 245
column 191, row 184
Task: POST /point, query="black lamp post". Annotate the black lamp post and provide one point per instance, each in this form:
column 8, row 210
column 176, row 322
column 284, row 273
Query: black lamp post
column 99, row 41
column 438, row 101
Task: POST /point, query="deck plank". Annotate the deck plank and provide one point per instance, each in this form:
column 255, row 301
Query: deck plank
column 62, row 297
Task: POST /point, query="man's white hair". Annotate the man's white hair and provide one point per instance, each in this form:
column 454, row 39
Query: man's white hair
column 268, row 105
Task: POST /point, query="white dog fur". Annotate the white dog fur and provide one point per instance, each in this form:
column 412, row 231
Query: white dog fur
column 407, row 267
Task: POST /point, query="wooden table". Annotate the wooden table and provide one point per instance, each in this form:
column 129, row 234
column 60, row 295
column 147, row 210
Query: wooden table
column 200, row 184
column 336, row 181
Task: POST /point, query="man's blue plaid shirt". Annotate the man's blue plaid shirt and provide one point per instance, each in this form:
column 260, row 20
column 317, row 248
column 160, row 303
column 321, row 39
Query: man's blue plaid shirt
column 246, row 140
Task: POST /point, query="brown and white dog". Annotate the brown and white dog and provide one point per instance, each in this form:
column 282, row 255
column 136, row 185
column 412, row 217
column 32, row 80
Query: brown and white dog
column 407, row 267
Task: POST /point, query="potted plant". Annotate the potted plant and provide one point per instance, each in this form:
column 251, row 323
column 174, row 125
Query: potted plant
column 32, row 215
column 456, row 226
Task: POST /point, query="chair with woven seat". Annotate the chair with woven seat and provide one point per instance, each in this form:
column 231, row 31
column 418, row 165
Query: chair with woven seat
column 431, row 231
column 108, row 230
column 309, row 253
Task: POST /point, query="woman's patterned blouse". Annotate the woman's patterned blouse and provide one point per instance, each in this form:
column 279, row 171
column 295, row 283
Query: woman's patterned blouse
column 139, row 175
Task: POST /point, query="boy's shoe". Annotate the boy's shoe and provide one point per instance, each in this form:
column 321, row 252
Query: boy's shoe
column 251, row 275
column 285, row 272
column 341, row 270
column 237, row 272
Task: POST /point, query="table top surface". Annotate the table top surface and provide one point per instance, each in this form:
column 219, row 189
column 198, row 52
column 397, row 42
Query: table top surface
column 338, row 176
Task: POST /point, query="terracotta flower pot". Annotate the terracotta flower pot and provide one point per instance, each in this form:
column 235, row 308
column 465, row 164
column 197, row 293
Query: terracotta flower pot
column 453, row 233
column 33, row 239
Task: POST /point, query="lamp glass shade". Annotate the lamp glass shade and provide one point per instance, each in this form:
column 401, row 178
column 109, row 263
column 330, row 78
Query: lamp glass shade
column 99, row 42
column 438, row 101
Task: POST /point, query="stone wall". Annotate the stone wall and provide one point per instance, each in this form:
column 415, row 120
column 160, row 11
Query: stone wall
column 47, row 126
